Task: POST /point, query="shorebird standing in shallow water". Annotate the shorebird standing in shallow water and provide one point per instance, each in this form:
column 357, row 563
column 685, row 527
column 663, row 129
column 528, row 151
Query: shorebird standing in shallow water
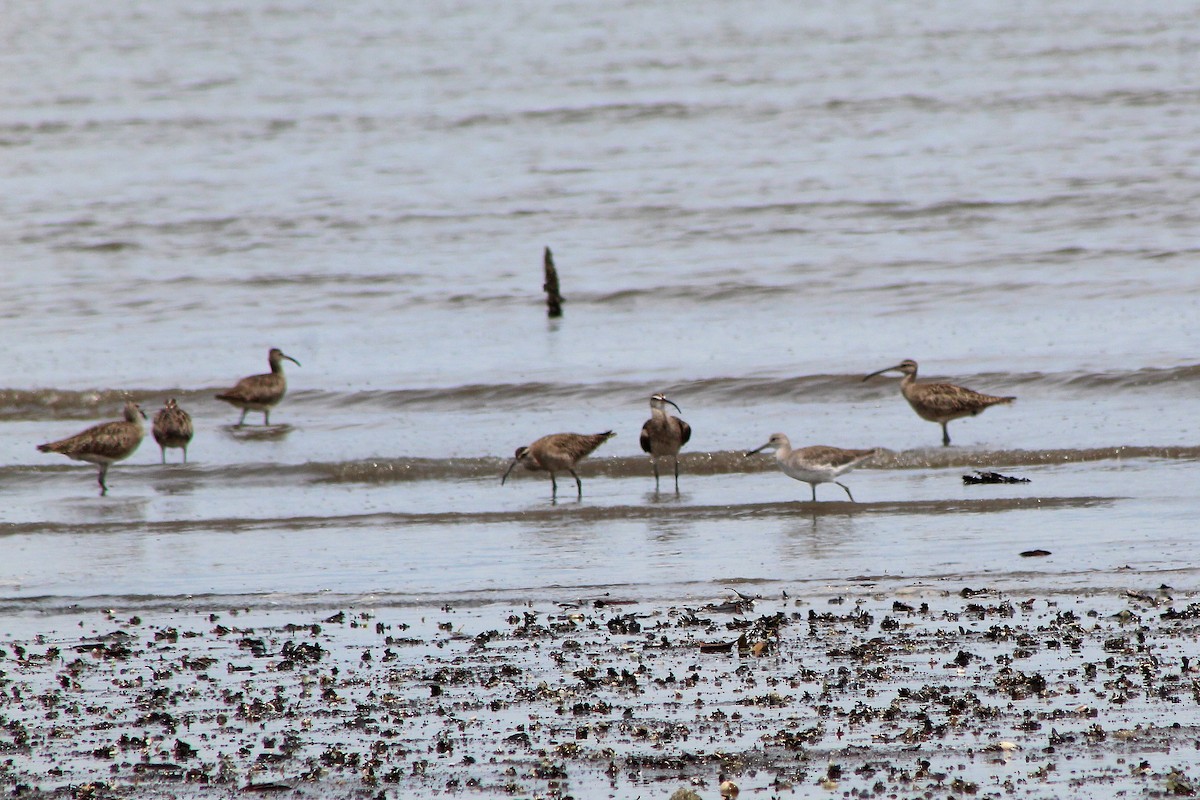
column 104, row 443
column 663, row 435
column 816, row 464
column 260, row 392
column 939, row 402
column 558, row 452
column 172, row 428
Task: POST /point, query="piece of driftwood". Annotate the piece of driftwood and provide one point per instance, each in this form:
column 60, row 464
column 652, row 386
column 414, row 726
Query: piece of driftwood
column 991, row 477
column 554, row 300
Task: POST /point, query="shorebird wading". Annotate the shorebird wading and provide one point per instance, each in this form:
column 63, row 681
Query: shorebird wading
column 558, row 452
column 104, row 443
column 816, row 464
column 939, row 402
column 663, row 435
column 260, row 392
column 172, row 428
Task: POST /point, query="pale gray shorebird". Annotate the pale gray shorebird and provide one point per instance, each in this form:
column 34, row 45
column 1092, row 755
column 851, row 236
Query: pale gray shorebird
column 940, row 402
column 663, row 435
column 105, row 443
column 172, row 428
column 558, row 452
column 816, row 464
column 260, row 392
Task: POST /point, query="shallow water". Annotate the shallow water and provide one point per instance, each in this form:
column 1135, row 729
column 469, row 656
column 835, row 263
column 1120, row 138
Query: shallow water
column 750, row 207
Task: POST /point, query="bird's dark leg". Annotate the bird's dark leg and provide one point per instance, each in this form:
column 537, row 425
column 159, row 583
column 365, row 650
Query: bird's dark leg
column 241, row 421
column 945, row 436
column 103, row 485
column 164, row 453
column 266, row 417
column 185, row 454
column 847, row 488
column 813, row 486
column 654, row 462
column 578, row 483
column 676, row 474
column 553, row 487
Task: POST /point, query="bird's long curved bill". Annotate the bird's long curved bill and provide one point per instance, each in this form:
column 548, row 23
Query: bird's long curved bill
column 510, row 469
column 294, row 361
column 880, row 372
column 757, row 449
column 673, row 405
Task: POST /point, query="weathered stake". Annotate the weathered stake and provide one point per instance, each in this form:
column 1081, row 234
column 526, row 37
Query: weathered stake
column 554, row 300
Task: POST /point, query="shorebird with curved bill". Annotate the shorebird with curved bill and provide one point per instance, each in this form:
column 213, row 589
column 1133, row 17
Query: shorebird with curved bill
column 940, row 402
column 172, row 428
column 105, row 443
column 663, row 435
column 817, row 464
column 260, row 392
column 558, row 452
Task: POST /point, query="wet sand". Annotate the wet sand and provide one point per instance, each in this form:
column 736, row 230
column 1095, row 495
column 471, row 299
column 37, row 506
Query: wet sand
column 871, row 688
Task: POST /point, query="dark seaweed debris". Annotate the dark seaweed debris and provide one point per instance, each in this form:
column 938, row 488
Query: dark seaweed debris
column 991, row 477
column 865, row 695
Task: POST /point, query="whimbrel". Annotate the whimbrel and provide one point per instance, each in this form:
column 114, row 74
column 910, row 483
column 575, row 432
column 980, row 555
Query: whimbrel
column 260, row 392
column 172, row 428
column 558, row 452
column 939, row 402
column 816, row 464
column 104, row 443
column 663, row 435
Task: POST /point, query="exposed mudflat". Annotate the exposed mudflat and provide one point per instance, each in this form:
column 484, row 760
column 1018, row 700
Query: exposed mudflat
column 870, row 690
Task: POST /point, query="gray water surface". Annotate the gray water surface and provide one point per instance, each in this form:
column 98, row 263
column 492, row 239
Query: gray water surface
column 751, row 206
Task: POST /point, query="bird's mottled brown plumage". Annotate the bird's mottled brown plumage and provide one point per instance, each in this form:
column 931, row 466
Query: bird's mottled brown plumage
column 260, row 392
column 663, row 435
column 172, row 428
column 940, row 402
column 818, row 463
column 558, row 452
column 105, row 443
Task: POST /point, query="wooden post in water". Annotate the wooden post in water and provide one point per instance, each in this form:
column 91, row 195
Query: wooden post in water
column 554, row 300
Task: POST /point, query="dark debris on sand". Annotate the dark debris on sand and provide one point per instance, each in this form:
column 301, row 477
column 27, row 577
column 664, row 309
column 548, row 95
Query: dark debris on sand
column 911, row 694
column 991, row 477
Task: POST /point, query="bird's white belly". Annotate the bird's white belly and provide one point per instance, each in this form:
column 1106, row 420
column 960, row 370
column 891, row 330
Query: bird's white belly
column 92, row 458
column 809, row 474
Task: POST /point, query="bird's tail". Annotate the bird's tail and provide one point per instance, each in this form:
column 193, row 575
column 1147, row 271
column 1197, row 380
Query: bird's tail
column 591, row 442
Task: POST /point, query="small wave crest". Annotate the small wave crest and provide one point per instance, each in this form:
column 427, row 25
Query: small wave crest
column 490, row 468
column 733, row 462
column 578, row 115
column 1136, row 379
column 51, row 403
column 63, row 403
column 89, row 404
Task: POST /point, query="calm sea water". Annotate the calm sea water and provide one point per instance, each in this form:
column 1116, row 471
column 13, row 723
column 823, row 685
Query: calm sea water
column 751, row 206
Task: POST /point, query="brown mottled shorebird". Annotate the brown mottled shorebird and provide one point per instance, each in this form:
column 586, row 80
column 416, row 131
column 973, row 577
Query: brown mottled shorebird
column 558, row 452
column 172, row 428
column 939, row 402
column 104, row 443
column 816, row 464
column 260, row 392
column 663, row 435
